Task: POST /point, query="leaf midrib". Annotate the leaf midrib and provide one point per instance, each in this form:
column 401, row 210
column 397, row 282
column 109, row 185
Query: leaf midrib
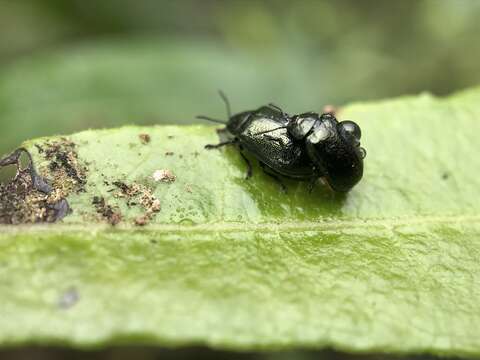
column 386, row 223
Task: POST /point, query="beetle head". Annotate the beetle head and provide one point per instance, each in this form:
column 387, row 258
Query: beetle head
column 238, row 122
column 334, row 147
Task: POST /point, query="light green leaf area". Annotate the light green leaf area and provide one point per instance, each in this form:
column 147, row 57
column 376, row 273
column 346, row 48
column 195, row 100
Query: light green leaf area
column 393, row 266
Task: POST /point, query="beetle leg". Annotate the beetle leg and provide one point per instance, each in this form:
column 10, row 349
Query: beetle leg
column 223, row 143
column 311, row 184
column 249, row 165
column 274, row 176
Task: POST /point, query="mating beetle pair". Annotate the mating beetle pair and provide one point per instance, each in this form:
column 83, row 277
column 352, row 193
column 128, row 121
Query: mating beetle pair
column 307, row 146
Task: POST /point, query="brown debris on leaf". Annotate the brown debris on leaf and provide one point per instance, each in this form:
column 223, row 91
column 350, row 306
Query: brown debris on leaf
column 28, row 198
column 139, row 195
column 67, row 173
column 111, row 214
column 144, row 138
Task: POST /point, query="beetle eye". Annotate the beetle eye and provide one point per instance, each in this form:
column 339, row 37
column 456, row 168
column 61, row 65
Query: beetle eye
column 363, row 152
column 352, row 128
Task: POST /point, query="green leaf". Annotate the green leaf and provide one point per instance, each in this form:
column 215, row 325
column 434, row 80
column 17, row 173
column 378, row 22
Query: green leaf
column 390, row 267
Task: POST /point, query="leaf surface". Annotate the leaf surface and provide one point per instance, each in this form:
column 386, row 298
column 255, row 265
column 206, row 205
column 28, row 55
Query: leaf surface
column 390, row 267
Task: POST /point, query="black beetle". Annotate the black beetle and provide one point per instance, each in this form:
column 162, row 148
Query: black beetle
column 307, row 146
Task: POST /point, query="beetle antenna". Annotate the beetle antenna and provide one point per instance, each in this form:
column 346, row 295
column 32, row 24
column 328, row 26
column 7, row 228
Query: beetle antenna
column 227, row 103
column 272, row 105
column 278, row 108
column 211, row 119
column 267, row 131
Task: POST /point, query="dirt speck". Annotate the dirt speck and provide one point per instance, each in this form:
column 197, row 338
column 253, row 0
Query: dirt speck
column 445, row 176
column 164, row 175
column 139, row 195
column 188, row 188
column 144, row 138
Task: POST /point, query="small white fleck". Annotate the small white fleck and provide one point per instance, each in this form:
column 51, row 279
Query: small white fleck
column 164, row 175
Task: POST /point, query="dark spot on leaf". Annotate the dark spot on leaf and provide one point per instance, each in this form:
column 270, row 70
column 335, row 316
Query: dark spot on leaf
column 141, row 220
column 39, row 149
column 445, row 176
column 144, row 138
column 140, row 196
column 122, row 186
column 169, row 153
column 65, row 168
column 112, row 215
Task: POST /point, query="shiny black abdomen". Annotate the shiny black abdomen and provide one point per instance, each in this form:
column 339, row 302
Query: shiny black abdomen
column 276, row 148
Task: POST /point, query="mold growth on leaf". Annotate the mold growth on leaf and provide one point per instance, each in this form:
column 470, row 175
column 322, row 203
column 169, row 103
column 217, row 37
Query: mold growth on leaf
column 138, row 195
column 135, row 196
column 66, row 171
column 28, row 198
column 108, row 212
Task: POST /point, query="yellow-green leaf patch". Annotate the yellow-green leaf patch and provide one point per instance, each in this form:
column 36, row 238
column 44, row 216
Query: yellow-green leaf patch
column 211, row 258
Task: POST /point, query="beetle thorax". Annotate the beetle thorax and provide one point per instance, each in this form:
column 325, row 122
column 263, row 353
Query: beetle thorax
column 301, row 125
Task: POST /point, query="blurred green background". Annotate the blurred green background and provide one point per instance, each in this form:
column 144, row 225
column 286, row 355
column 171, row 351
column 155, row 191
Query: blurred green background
column 77, row 64
column 72, row 65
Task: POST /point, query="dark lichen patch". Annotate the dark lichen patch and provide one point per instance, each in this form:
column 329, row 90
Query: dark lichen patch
column 138, row 195
column 28, row 198
column 108, row 212
column 64, row 167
